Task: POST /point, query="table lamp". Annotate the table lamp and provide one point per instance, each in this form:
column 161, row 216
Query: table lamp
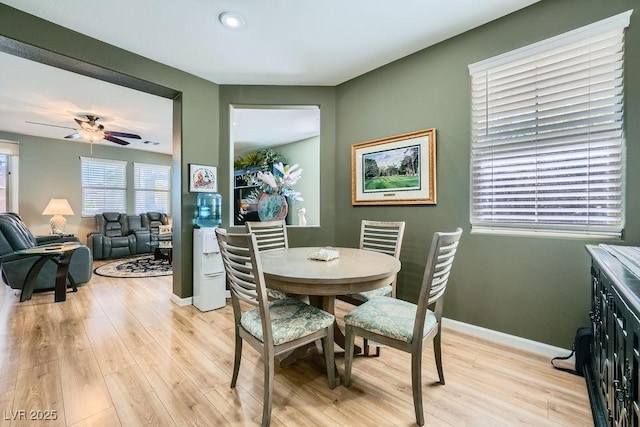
column 57, row 208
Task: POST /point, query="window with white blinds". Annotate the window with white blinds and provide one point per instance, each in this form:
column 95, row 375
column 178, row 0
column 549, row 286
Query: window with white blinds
column 547, row 135
column 104, row 186
column 152, row 184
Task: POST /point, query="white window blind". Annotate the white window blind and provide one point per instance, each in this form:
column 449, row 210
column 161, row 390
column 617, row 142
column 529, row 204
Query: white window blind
column 152, row 185
column 547, row 134
column 104, row 186
column 4, row 175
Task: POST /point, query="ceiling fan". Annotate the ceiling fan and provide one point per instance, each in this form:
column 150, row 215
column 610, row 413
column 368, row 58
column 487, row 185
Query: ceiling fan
column 93, row 131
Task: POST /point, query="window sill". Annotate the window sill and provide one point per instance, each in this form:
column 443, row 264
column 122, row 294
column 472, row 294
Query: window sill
column 545, row 233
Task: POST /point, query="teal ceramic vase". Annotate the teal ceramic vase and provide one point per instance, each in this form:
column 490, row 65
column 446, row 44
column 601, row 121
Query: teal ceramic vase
column 272, row 207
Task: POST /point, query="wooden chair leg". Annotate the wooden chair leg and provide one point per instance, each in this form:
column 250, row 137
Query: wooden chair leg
column 437, row 351
column 348, row 354
column 236, row 360
column 416, row 386
column 329, row 358
column 366, row 346
column 268, row 389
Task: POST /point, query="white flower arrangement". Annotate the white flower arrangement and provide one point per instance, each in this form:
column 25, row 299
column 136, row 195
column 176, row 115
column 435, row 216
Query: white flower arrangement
column 281, row 182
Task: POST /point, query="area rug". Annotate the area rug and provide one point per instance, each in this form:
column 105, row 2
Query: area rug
column 142, row 266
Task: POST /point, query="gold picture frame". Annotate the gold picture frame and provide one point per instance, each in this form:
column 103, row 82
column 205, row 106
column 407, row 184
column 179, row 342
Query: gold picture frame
column 398, row 170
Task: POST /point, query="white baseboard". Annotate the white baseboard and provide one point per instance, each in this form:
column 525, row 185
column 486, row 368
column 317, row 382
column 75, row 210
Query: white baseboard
column 181, row 301
column 505, row 339
column 189, row 300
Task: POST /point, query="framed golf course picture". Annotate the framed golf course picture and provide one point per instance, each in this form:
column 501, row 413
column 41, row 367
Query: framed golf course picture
column 399, row 170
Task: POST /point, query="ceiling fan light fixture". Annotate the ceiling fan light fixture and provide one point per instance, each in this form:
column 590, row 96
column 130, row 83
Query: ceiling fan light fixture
column 231, row 20
column 92, row 136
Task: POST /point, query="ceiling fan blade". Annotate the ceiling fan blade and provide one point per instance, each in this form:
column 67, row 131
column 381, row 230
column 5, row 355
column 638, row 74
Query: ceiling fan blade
column 122, row 134
column 53, row 126
column 116, row 140
column 73, row 136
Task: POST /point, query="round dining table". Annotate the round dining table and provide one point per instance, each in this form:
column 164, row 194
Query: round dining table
column 355, row 270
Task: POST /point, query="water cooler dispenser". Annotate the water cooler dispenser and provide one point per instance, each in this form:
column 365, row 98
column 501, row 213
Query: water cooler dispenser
column 209, row 280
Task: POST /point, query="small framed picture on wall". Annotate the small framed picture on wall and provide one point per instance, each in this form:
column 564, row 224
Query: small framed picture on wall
column 203, row 179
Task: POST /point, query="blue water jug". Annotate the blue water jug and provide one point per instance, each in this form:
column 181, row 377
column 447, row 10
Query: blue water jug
column 209, row 210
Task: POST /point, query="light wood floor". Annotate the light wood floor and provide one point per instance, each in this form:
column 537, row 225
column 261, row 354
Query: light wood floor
column 118, row 352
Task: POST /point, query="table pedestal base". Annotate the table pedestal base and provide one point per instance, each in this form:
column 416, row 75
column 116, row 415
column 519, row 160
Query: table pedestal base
column 62, row 274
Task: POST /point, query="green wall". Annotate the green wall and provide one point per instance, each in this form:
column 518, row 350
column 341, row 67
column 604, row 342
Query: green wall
column 197, row 106
column 51, row 168
column 537, row 288
column 305, row 153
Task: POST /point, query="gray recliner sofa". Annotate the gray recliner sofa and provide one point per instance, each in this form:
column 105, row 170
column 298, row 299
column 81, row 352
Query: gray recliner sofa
column 14, row 235
column 120, row 235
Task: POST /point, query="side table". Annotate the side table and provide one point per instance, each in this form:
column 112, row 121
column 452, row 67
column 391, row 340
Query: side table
column 162, row 249
column 61, row 255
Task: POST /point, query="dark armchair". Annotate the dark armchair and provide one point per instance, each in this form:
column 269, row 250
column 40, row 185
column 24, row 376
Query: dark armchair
column 111, row 239
column 14, row 235
column 146, row 228
column 153, row 221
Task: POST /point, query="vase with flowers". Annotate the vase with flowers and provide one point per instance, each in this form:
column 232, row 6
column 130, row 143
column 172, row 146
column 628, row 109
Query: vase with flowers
column 276, row 188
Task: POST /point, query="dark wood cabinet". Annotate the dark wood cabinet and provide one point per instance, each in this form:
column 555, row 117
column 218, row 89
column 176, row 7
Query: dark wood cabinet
column 245, row 209
column 612, row 378
column 242, row 209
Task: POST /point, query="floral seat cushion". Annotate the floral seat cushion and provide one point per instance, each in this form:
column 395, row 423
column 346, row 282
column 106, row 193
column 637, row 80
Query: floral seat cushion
column 275, row 294
column 290, row 319
column 367, row 295
column 390, row 317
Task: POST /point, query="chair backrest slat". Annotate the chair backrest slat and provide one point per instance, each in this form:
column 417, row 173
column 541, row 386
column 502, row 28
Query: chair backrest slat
column 385, row 237
column 436, row 276
column 244, row 275
column 382, row 236
column 270, row 235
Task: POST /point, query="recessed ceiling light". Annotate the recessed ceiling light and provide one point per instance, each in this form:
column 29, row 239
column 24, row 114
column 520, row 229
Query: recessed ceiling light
column 231, row 20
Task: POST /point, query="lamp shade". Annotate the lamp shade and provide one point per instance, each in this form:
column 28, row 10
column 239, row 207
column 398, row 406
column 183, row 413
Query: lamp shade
column 58, row 207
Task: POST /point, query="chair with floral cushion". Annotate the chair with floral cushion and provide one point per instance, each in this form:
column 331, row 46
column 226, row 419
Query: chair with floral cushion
column 272, row 328
column 378, row 236
column 406, row 326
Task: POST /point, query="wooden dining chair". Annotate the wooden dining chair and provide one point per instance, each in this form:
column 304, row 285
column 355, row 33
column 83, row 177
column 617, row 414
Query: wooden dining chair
column 270, row 235
column 378, row 236
column 404, row 325
column 272, row 328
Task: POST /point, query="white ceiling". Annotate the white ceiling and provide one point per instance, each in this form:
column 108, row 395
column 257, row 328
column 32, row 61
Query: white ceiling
column 284, row 42
column 283, row 125
column 44, row 94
